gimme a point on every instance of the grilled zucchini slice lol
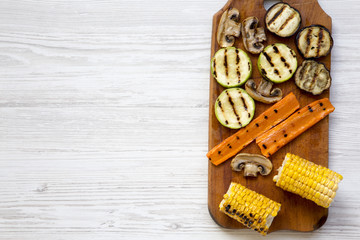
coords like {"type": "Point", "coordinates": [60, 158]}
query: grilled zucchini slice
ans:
{"type": "Point", "coordinates": [277, 63]}
{"type": "Point", "coordinates": [283, 20]}
{"type": "Point", "coordinates": [313, 77]}
{"type": "Point", "coordinates": [231, 67]}
{"type": "Point", "coordinates": [314, 41]}
{"type": "Point", "coordinates": [234, 108]}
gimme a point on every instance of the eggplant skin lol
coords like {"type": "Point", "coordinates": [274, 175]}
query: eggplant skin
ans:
{"type": "Point", "coordinates": [292, 8]}
{"type": "Point", "coordinates": [297, 41]}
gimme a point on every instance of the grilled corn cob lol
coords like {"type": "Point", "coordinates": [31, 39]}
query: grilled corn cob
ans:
{"type": "Point", "coordinates": [249, 208]}
{"type": "Point", "coordinates": [307, 179]}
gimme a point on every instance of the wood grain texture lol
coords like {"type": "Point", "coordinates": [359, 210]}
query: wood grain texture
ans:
{"type": "Point", "coordinates": [296, 213]}
{"type": "Point", "coordinates": [104, 121]}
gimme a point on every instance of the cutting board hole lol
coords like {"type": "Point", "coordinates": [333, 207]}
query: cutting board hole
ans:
{"type": "Point", "coordinates": [269, 3]}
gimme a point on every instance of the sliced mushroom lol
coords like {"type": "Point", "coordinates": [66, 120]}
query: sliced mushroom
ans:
{"type": "Point", "coordinates": [229, 27]}
{"type": "Point", "coordinates": [263, 92]}
{"type": "Point", "coordinates": [252, 164]}
{"type": "Point", "coordinates": [253, 36]}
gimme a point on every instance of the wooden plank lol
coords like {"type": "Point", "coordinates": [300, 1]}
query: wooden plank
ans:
{"type": "Point", "coordinates": [296, 213]}
{"type": "Point", "coordinates": [72, 163]}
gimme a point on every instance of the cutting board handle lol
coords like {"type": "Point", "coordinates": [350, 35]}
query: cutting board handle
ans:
{"type": "Point", "coordinates": [259, 4]}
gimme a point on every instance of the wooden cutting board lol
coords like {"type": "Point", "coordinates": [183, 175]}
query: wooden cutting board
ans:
{"type": "Point", "coordinates": [296, 213]}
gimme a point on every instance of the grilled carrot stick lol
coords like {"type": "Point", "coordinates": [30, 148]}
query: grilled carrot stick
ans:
{"type": "Point", "coordinates": [296, 124]}
{"type": "Point", "coordinates": [235, 143]}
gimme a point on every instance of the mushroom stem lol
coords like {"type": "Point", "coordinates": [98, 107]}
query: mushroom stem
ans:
{"type": "Point", "coordinates": [250, 170]}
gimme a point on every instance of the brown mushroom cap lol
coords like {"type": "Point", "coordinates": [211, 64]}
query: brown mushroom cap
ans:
{"type": "Point", "coordinates": [252, 164]}
{"type": "Point", "coordinates": [263, 92]}
{"type": "Point", "coordinates": [229, 28]}
{"type": "Point", "coordinates": [253, 36]}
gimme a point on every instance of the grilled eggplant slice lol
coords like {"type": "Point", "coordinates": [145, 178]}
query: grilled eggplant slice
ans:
{"type": "Point", "coordinates": [277, 63]}
{"type": "Point", "coordinates": [283, 20]}
{"type": "Point", "coordinates": [234, 108]}
{"type": "Point", "coordinates": [231, 67]}
{"type": "Point", "coordinates": [313, 77]}
{"type": "Point", "coordinates": [314, 41]}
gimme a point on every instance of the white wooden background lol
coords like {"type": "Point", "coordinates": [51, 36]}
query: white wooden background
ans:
{"type": "Point", "coordinates": [104, 120]}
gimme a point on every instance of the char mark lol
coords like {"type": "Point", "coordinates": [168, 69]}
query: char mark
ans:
{"type": "Point", "coordinates": [268, 58]}
{"type": "Point", "coordinates": [320, 37]}
{"type": "Point", "coordinates": [276, 50]}
{"type": "Point", "coordinates": [238, 74]}
{"type": "Point", "coordinates": [313, 80]}
{"type": "Point", "coordinates": [226, 63]}
{"type": "Point", "coordinates": [287, 21]}
{"type": "Point", "coordinates": [263, 72]}
{"type": "Point", "coordinates": [237, 57]}
{"type": "Point", "coordinates": [233, 107]}
{"type": "Point", "coordinates": [214, 67]}
{"type": "Point", "coordinates": [220, 106]}
{"type": "Point", "coordinates": [308, 40]}
{"type": "Point", "coordinates": [277, 14]}
{"type": "Point", "coordinates": [284, 61]}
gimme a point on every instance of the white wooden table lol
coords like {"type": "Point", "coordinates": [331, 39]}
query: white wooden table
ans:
{"type": "Point", "coordinates": [104, 120]}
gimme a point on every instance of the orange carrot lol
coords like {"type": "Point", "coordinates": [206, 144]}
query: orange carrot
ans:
{"type": "Point", "coordinates": [296, 124]}
{"type": "Point", "coordinates": [235, 143]}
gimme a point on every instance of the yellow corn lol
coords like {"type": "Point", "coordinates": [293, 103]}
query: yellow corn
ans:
{"type": "Point", "coordinates": [309, 180]}
{"type": "Point", "coordinates": [252, 209]}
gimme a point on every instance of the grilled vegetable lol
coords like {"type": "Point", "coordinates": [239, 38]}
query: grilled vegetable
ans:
{"type": "Point", "coordinates": [312, 77]}
{"type": "Point", "coordinates": [234, 108]}
{"type": "Point", "coordinates": [296, 124]}
{"type": "Point", "coordinates": [229, 28]}
{"type": "Point", "coordinates": [269, 118]}
{"type": "Point", "coordinates": [252, 164]}
{"type": "Point", "coordinates": [314, 41]}
{"type": "Point", "coordinates": [307, 179]}
{"type": "Point", "coordinates": [283, 20]}
{"type": "Point", "coordinates": [252, 35]}
{"type": "Point", "coordinates": [250, 208]}
{"type": "Point", "coordinates": [263, 93]}
{"type": "Point", "coordinates": [231, 67]}
{"type": "Point", "coordinates": [277, 63]}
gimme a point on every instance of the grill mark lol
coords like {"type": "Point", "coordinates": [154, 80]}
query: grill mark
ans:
{"type": "Point", "coordinates": [276, 50]}
{"type": "Point", "coordinates": [237, 64]}
{"type": "Point", "coordinates": [284, 61]}
{"type": "Point", "coordinates": [245, 106]}
{"type": "Point", "coordinates": [321, 35]}
{"type": "Point", "coordinates": [237, 57]}
{"type": "Point", "coordinates": [313, 80]}
{"type": "Point", "coordinates": [214, 68]}
{"type": "Point", "coordinates": [225, 63]}
{"type": "Point", "coordinates": [263, 72]}
{"type": "Point", "coordinates": [268, 58]}
{"type": "Point", "coordinates": [307, 70]}
{"type": "Point", "coordinates": [244, 103]}
{"type": "Point", "coordinates": [277, 14]}
{"type": "Point", "coordinates": [233, 108]}
{"type": "Point", "coordinates": [303, 70]}
{"type": "Point", "coordinates": [286, 21]}
{"type": "Point", "coordinates": [308, 41]}
{"type": "Point", "coordinates": [238, 74]}
{"type": "Point", "coordinates": [220, 106]}
{"type": "Point", "coordinates": [276, 72]}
